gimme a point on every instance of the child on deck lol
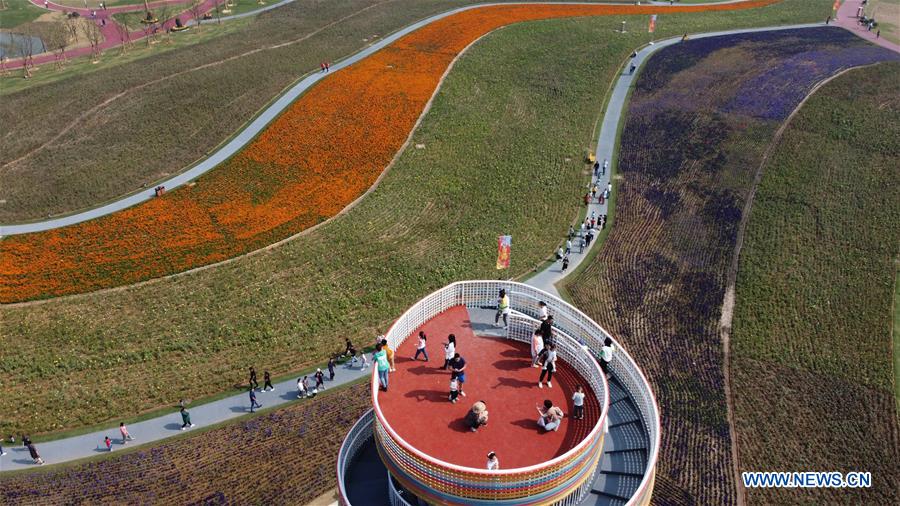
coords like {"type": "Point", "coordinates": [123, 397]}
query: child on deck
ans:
{"type": "Point", "coordinates": [578, 403]}
{"type": "Point", "coordinates": [454, 388]}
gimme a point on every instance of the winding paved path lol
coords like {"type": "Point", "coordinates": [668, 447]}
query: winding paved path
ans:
{"type": "Point", "coordinates": [165, 426]}
{"type": "Point", "coordinates": [258, 124]}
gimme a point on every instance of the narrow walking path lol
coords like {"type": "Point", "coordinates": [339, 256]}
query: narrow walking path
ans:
{"type": "Point", "coordinates": [846, 18]}
{"type": "Point", "coordinates": [165, 426]}
{"type": "Point", "coordinates": [159, 428]}
{"type": "Point", "coordinates": [260, 122]}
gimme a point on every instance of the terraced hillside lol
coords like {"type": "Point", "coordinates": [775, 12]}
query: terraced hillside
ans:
{"type": "Point", "coordinates": [700, 118]}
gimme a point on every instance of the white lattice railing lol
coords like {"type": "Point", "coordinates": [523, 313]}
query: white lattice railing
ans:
{"type": "Point", "coordinates": [569, 322]}
{"type": "Point", "coordinates": [359, 434]}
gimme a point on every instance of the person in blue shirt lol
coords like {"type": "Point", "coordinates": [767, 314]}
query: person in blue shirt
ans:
{"type": "Point", "coordinates": [458, 366]}
{"type": "Point", "coordinates": [384, 366]}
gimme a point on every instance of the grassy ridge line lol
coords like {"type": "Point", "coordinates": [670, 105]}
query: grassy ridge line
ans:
{"type": "Point", "coordinates": [812, 383]}
{"type": "Point", "coordinates": [497, 129]}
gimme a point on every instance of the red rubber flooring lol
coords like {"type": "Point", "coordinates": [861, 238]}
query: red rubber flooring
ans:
{"type": "Point", "coordinates": [498, 372]}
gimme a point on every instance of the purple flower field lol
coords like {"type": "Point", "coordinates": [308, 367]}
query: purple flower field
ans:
{"type": "Point", "coordinates": [701, 116]}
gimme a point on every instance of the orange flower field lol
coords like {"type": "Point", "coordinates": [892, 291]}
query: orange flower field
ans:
{"type": "Point", "coordinates": [321, 154]}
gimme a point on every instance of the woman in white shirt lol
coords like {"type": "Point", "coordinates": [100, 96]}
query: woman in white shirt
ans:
{"type": "Point", "coordinates": [420, 348]}
{"type": "Point", "coordinates": [449, 350]}
{"type": "Point", "coordinates": [537, 345]}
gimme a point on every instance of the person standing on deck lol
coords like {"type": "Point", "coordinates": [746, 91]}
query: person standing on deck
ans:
{"type": "Point", "coordinates": [537, 346]}
{"type": "Point", "coordinates": [493, 463]}
{"type": "Point", "coordinates": [502, 309]}
{"type": "Point", "coordinates": [458, 366]}
{"type": "Point", "coordinates": [449, 351]}
{"type": "Point", "coordinates": [549, 367]}
{"type": "Point", "coordinates": [384, 367]}
{"type": "Point", "coordinates": [420, 347]}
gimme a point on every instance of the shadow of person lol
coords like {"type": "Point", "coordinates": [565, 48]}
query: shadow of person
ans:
{"type": "Point", "coordinates": [424, 369]}
{"type": "Point", "coordinates": [173, 426]}
{"type": "Point", "coordinates": [526, 423]}
{"type": "Point", "coordinates": [511, 364]}
{"type": "Point", "coordinates": [428, 395]}
{"type": "Point", "coordinates": [513, 383]}
{"type": "Point", "coordinates": [459, 425]}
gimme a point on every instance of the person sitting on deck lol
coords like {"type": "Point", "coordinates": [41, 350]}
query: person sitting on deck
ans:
{"type": "Point", "coordinates": [477, 416]}
{"type": "Point", "coordinates": [551, 416]}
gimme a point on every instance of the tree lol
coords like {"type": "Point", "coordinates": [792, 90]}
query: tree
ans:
{"type": "Point", "coordinates": [56, 39]}
{"type": "Point", "coordinates": [196, 10]}
{"type": "Point", "coordinates": [25, 44]}
{"type": "Point", "coordinates": [92, 33]}
{"type": "Point", "coordinates": [164, 12]}
{"type": "Point", "coordinates": [124, 31]}
{"type": "Point", "coordinates": [71, 24]}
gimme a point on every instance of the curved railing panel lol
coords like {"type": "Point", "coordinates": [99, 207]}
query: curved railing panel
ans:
{"type": "Point", "coordinates": [353, 442]}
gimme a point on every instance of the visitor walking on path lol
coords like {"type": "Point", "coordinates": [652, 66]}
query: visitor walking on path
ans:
{"type": "Point", "coordinates": [551, 416]}
{"type": "Point", "coordinates": [549, 366]}
{"type": "Point", "coordinates": [35, 456]}
{"type": "Point", "coordinates": [108, 442]}
{"type": "Point", "coordinates": [320, 379]}
{"type": "Point", "coordinates": [253, 403]}
{"type": "Point", "coordinates": [605, 166]}
{"type": "Point", "coordinates": [449, 351]}
{"type": "Point", "coordinates": [578, 403]}
{"type": "Point", "coordinates": [502, 309]}
{"type": "Point", "coordinates": [565, 264]}
{"type": "Point", "coordinates": [458, 366]}
{"type": "Point", "coordinates": [126, 437]}
{"type": "Point", "coordinates": [420, 348]}
{"type": "Point", "coordinates": [185, 419]}
{"type": "Point", "coordinates": [493, 463]}
{"type": "Point", "coordinates": [349, 349]}
{"type": "Point", "coordinates": [267, 381]}
{"type": "Point", "coordinates": [2, 453]}
{"type": "Point", "coordinates": [301, 388]}
{"type": "Point", "coordinates": [384, 367]}
{"type": "Point", "coordinates": [253, 383]}
{"type": "Point", "coordinates": [477, 416]}
{"type": "Point", "coordinates": [331, 369]}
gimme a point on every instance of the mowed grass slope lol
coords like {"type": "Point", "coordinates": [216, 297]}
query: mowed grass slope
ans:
{"type": "Point", "coordinates": [812, 368]}
{"type": "Point", "coordinates": [97, 136]}
{"type": "Point", "coordinates": [502, 152]}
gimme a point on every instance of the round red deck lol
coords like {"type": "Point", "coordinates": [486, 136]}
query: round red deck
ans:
{"type": "Point", "coordinates": [498, 372]}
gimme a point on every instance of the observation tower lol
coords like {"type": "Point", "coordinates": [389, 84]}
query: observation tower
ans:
{"type": "Point", "coordinates": [415, 448]}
